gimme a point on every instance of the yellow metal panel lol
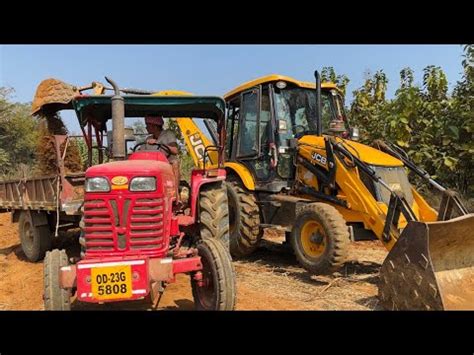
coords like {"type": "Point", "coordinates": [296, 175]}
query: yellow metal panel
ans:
{"type": "Point", "coordinates": [276, 77]}
{"type": "Point", "coordinates": [243, 173]}
{"type": "Point", "coordinates": [365, 153]}
{"type": "Point", "coordinates": [426, 212]}
{"type": "Point", "coordinates": [196, 142]}
{"type": "Point", "coordinates": [172, 93]}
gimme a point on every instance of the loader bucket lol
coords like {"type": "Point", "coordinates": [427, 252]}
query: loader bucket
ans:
{"type": "Point", "coordinates": [431, 267]}
{"type": "Point", "coordinates": [53, 93]}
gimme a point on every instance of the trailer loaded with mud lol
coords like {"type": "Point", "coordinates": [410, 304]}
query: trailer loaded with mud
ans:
{"type": "Point", "coordinates": [44, 205]}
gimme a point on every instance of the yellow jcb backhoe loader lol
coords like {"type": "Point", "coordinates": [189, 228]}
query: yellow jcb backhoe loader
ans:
{"type": "Point", "coordinates": [293, 163]}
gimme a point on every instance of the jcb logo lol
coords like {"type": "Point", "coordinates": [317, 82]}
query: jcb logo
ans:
{"type": "Point", "coordinates": [319, 158]}
{"type": "Point", "coordinates": [198, 146]}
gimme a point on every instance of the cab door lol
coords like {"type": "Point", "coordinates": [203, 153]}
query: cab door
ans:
{"type": "Point", "coordinates": [255, 134]}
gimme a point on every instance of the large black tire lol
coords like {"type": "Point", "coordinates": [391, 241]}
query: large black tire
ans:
{"type": "Point", "coordinates": [320, 238]}
{"type": "Point", "coordinates": [218, 292]}
{"type": "Point", "coordinates": [244, 219]}
{"type": "Point", "coordinates": [55, 298]}
{"type": "Point", "coordinates": [35, 241]}
{"type": "Point", "coordinates": [214, 213]}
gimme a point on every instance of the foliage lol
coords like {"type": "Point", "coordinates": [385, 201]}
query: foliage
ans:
{"type": "Point", "coordinates": [329, 74]}
{"type": "Point", "coordinates": [435, 128]}
{"type": "Point", "coordinates": [18, 135]}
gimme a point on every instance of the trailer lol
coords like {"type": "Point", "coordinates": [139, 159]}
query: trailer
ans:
{"type": "Point", "coordinates": [44, 205]}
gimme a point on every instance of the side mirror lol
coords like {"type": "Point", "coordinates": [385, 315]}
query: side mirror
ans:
{"type": "Point", "coordinates": [355, 133]}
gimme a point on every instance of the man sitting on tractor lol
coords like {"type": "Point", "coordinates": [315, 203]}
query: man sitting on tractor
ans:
{"type": "Point", "coordinates": [167, 143]}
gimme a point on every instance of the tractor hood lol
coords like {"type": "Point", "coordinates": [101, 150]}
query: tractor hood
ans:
{"type": "Point", "coordinates": [130, 168]}
{"type": "Point", "coordinates": [365, 153]}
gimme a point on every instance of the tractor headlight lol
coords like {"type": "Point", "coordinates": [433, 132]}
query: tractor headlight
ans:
{"type": "Point", "coordinates": [97, 184]}
{"type": "Point", "coordinates": [143, 184]}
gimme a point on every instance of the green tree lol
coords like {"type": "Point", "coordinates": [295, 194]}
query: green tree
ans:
{"type": "Point", "coordinates": [368, 109]}
{"type": "Point", "coordinates": [328, 74]}
{"type": "Point", "coordinates": [18, 135]}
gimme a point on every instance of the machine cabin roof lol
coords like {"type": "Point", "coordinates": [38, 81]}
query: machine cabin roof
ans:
{"type": "Point", "coordinates": [99, 107]}
{"type": "Point", "coordinates": [274, 78]}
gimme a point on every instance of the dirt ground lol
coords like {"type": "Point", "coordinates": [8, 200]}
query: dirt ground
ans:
{"type": "Point", "coordinates": [270, 279]}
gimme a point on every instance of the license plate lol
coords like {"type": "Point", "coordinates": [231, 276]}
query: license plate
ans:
{"type": "Point", "coordinates": [111, 282]}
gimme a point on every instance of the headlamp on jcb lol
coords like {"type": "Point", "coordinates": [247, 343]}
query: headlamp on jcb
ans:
{"type": "Point", "coordinates": [143, 184]}
{"type": "Point", "coordinates": [97, 184]}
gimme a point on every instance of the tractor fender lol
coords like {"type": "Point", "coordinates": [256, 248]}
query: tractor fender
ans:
{"type": "Point", "coordinates": [198, 180]}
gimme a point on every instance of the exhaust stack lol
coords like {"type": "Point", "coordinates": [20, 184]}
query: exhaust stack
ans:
{"type": "Point", "coordinates": [318, 104]}
{"type": "Point", "coordinates": [118, 116]}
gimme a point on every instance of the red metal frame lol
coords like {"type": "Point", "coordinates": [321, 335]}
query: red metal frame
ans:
{"type": "Point", "coordinates": [144, 272]}
{"type": "Point", "coordinates": [104, 218]}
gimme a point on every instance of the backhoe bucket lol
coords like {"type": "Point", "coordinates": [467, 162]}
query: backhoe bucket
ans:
{"type": "Point", "coordinates": [431, 267]}
{"type": "Point", "coordinates": [53, 93]}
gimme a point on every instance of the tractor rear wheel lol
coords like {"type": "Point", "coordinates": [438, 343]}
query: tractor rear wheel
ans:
{"type": "Point", "coordinates": [55, 297]}
{"type": "Point", "coordinates": [215, 290]}
{"type": "Point", "coordinates": [35, 240]}
{"type": "Point", "coordinates": [320, 238]}
{"type": "Point", "coordinates": [244, 220]}
{"type": "Point", "coordinates": [214, 213]}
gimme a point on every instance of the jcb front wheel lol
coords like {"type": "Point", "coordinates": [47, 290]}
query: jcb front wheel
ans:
{"type": "Point", "coordinates": [214, 287]}
{"type": "Point", "coordinates": [55, 297]}
{"type": "Point", "coordinates": [320, 238]}
{"type": "Point", "coordinates": [244, 220]}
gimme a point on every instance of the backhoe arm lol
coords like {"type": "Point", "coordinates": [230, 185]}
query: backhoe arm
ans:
{"type": "Point", "coordinates": [196, 143]}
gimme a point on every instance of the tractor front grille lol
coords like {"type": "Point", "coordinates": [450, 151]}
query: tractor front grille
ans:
{"type": "Point", "coordinates": [98, 227]}
{"type": "Point", "coordinates": [395, 177]}
{"type": "Point", "coordinates": [132, 225]}
{"type": "Point", "coordinates": [146, 224]}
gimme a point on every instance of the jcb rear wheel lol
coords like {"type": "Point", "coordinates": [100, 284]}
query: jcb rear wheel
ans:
{"type": "Point", "coordinates": [320, 238]}
{"type": "Point", "coordinates": [214, 213]}
{"type": "Point", "coordinates": [244, 220]}
{"type": "Point", "coordinates": [216, 290]}
{"type": "Point", "coordinates": [35, 240]}
{"type": "Point", "coordinates": [55, 297]}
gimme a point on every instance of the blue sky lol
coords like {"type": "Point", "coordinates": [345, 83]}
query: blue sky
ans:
{"type": "Point", "coordinates": [212, 69]}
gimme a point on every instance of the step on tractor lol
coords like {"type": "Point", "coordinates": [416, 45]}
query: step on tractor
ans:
{"type": "Point", "coordinates": [293, 163]}
{"type": "Point", "coordinates": [135, 236]}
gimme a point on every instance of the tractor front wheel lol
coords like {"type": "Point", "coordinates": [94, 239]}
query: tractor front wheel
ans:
{"type": "Point", "coordinates": [320, 238]}
{"type": "Point", "coordinates": [55, 297]}
{"type": "Point", "coordinates": [214, 287]}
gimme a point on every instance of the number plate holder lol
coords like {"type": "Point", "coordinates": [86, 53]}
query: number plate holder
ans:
{"type": "Point", "coordinates": [112, 282]}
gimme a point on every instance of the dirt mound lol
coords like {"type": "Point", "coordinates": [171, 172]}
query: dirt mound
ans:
{"type": "Point", "coordinates": [52, 124]}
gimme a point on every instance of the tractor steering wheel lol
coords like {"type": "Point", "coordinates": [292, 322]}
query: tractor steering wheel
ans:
{"type": "Point", "coordinates": [165, 148]}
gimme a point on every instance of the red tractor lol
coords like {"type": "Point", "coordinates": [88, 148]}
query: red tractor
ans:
{"type": "Point", "coordinates": [135, 238]}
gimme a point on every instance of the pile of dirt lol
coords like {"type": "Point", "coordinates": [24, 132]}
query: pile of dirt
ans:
{"type": "Point", "coordinates": [52, 124]}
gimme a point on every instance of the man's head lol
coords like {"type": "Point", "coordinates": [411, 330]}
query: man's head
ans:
{"type": "Point", "coordinates": [154, 124]}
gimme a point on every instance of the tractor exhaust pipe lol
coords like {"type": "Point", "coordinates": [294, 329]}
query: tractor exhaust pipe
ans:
{"type": "Point", "coordinates": [118, 116]}
{"type": "Point", "coordinates": [318, 103]}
